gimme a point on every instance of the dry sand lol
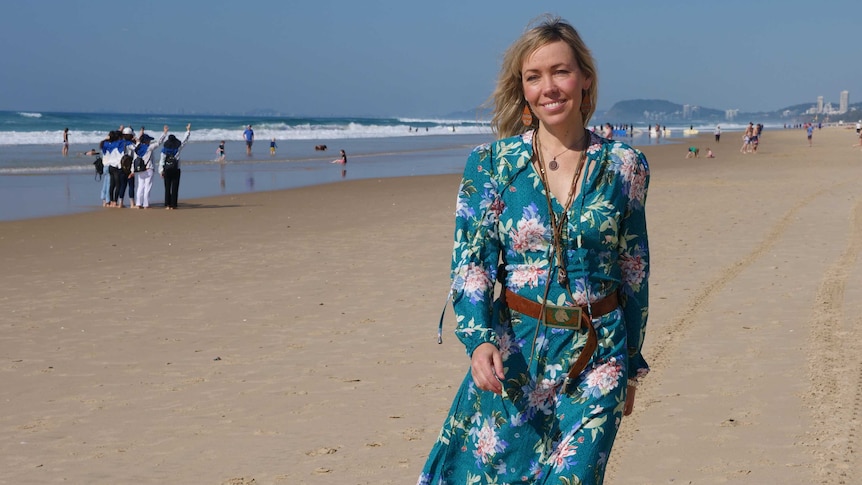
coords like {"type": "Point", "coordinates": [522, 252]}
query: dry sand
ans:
{"type": "Point", "coordinates": [289, 337]}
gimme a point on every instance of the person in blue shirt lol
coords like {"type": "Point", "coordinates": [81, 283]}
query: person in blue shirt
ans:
{"type": "Point", "coordinates": [248, 134]}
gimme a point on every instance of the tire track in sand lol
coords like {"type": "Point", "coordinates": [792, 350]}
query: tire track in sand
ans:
{"type": "Point", "coordinates": [662, 346]}
{"type": "Point", "coordinates": [667, 341]}
{"type": "Point", "coordinates": [835, 367]}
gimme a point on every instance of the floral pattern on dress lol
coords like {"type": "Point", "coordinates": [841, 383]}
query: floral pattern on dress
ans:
{"type": "Point", "coordinates": [535, 433]}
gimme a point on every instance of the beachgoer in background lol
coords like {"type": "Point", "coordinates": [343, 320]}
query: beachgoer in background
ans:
{"type": "Point", "coordinates": [746, 138]}
{"type": "Point", "coordinates": [127, 178]}
{"type": "Point", "coordinates": [113, 160]}
{"type": "Point", "coordinates": [144, 178]}
{"type": "Point", "coordinates": [91, 151]}
{"type": "Point", "coordinates": [810, 131]}
{"type": "Point", "coordinates": [608, 131]}
{"type": "Point", "coordinates": [169, 166]}
{"type": "Point", "coordinates": [220, 152]}
{"type": "Point", "coordinates": [692, 152]}
{"type": "Point", "coordinates": [717, 133]}
{"type": "Point", "coordinates": [859, 127]}
{"type": "Point", "coordinates": [342, 160]}
{"type": "Point", "coordinates": [248, 134]}
{"type": "Point", "coordinates": [65, 142]}
{"type": "Point", "coordinates": [544, 397]}
{"type": "Point", "coordinates": [272, 147]}
{"type": "Point", "coordinates": [754, 142]}
{"type": "Point", "coordinates": [709, 153]}
{"type": "Point", "coordinates": [109, 153]}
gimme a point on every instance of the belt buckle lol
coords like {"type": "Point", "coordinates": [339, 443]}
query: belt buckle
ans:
{"type": "Point", "coordinates": [566, 317]}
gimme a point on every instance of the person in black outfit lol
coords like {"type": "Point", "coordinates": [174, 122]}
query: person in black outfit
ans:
{"type": "Point", "coordinates": [170, 171]}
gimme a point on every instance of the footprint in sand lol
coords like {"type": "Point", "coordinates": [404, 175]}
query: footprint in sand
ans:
{"type": "Point", "coordinates": [321, 451]}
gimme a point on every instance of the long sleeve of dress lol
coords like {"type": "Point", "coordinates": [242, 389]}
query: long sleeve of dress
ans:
{"type": "Point", "coordinates": [634, 260]}
{"type": "Point", "coordinates": [476, 252]}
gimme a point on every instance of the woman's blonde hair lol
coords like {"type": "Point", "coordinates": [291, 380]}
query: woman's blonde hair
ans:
{"type": "Point", "coordinates": [508, 98]}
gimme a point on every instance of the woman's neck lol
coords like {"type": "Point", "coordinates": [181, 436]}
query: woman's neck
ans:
{"type": "Point", "coordinates": [560, 138]}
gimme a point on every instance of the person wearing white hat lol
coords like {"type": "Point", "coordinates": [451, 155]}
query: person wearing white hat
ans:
{"type": "Point", "coordinates": [143, 167]}
{"type": "Point", "coordinates": [127, 177]}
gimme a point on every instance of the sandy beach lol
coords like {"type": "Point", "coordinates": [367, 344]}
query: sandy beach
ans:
{"type": "Point", "coordinates": [289, 337]}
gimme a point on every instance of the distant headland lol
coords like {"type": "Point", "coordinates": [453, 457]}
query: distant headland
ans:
{"type": "Point", "coordinates": [666, 112]}
{"type": "Point", "coordinates": [662, 111]}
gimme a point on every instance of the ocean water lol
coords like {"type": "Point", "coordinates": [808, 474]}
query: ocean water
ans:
{"type": "Point", "coordinates": [30, 142]}
{"type": "Point", "coordinates": [36, 180]}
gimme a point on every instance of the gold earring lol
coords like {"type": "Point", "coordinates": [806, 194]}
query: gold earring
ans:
{"type": "Point", "coordinates": [527, 116]}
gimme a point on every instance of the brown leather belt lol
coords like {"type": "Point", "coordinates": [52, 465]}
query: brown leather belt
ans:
{"type": "Point", "coordinates": [567, 317]}
{"type": "Point", "coordinates": [553, 315]}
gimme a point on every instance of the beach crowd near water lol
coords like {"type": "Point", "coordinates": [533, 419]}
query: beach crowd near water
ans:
{"type": "Point", "coordinates": [215, 160]}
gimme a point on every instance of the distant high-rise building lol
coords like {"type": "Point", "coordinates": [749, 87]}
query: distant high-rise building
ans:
{"type": "Point", "coordinates": [730, 114]}
{"type": "Point", "coordinates": [844, 102]}
{"type": "Point", "coordinates": [819, 104]}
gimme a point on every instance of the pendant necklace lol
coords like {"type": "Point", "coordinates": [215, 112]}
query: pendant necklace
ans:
{"type": "Point", "coordinates": [553, 165]}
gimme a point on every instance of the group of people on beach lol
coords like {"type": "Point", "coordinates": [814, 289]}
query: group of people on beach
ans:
{"type": "Point", "coordinates": [127, 164]}
{"type": "Point", "coordinates": [694, 152]}
{"type": "Point", "coordinates": [248, 137]}
{"type": "Point", "coordinates": [751, 138]}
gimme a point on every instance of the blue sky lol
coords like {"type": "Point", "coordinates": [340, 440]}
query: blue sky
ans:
{"type": "Point", "coordinates": [410, 58]}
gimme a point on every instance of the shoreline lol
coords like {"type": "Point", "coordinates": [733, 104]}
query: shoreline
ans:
{"type": "Point", "coordinates": [63, 191]}
{"type": "Point", "coordinates": [68, 193]}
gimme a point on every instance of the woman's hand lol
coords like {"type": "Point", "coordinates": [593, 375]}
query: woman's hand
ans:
{"type": "Point", "coordinates": [630, 400]}
{"type": "Point", "coordinates": [189, 127]}
{"type": "Point", "coordinates": [165, 129]}
{"type": "Point", "coordinates": [486, 365]}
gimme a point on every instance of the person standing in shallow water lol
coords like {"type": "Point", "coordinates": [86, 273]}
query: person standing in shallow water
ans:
{"type": "Point", "coordinates": [65, 142]}
{"type": "Point", "coordinates": [248, 135]}
{"type": "Point", "coordinates": [555, 360]}
{"type": "Point", "coordinates": [220, 155]}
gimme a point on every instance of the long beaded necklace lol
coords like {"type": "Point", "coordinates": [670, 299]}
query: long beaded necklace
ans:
{"type": "Point", "coordinates": [559, 223]}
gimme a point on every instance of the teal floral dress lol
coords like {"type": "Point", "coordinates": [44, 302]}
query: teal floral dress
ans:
{"type": "Point", "coordinates": [534, 433]}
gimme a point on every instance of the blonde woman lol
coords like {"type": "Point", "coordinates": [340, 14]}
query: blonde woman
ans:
{"type": "Point", "coordinates": [556, 214]}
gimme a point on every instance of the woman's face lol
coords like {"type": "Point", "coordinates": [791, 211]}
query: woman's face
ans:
{"type": "Point", "coordinates": [553, 85]}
